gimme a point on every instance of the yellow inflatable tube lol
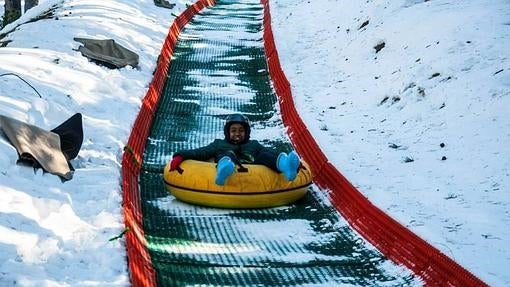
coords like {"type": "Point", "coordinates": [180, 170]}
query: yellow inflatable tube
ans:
{"type": "Point", "coordinates": [257, 187]}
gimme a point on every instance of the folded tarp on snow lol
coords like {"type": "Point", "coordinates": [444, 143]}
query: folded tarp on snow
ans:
{"type": "Point", "coordinates": [164, 4]}
{"type": "Point", "coordinates": [50, 150]}
{"type": "Point", "coordinates": [107, 53]}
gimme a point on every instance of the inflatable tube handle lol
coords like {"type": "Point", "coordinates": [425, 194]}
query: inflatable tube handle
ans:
{"type": "Point", "coordinates": [242, 168]}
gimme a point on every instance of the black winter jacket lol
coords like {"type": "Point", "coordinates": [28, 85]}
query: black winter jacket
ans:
{"type": "Point", "coordinates": [246, 152]}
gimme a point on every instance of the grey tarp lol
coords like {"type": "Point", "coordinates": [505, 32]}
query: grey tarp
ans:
{"type": "Point", "coordinates": [42, 145]}
{"type": "Point", "coordinates": [107, 52]}
{"type": "Point", "coordinates": [164, 4]}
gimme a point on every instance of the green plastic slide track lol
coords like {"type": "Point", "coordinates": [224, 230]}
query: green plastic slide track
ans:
{"type": "Point", "coordinates": [218, 67]}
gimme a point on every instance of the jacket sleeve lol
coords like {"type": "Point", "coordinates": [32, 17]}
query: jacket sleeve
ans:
{"type": "Point", "coordinates": [259, 148]}
{"type": "Point", "coordinates": [202, 153]}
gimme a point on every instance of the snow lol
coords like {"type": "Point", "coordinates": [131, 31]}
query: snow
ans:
{"type": "Point", "coordinates": [420, 127]}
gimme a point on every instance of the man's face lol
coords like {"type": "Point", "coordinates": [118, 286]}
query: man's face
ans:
{"type": "Point", "coordinates": [237, 133]}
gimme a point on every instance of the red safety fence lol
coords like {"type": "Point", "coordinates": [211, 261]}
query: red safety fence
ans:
{"type": "Point", "coordinates": [140, 266]}
{"type": "Point", "coordinates": [391, 238]}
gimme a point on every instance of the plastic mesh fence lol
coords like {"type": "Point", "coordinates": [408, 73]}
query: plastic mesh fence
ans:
{"type": "Point", "coordinates": [387, 235]}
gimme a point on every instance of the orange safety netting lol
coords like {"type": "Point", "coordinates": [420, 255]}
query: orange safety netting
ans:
{"type": "Point", "coordinates": [387, 235]}
{"type": "Point", "coordinates": [139, 261]}
{"type": "Point", "coordinates": [391, 238]}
